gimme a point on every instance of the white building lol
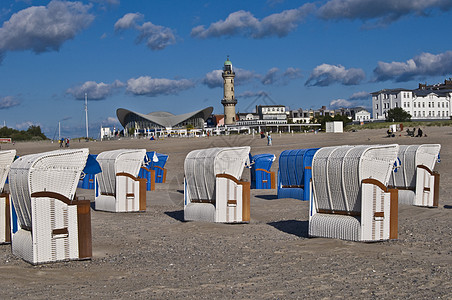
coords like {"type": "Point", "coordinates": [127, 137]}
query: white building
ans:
{"type": "Point", "coordinates": [271, 112]}
{"type": "Point", "coordinates": [426, 102]}
{"type": "Point", "coordinates": [362, 116]}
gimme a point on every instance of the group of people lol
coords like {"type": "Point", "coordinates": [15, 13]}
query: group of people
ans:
{"type": "Point", "coordinates": [413, 132]}
{"type": "Point", "coordinates": [63, 142]}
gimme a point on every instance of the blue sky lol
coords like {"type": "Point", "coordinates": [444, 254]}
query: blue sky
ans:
{"type": "Point", "coordinates": [167, 55]}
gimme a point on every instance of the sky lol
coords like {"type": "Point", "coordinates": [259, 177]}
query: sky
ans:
{"type": "Point", "coordinates": [149, 56]}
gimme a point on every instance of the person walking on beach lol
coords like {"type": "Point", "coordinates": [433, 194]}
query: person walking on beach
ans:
{"type": "Point", "coordinates": [269, 139]}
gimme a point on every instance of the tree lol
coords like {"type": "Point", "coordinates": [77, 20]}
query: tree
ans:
{"type": "Point", "coordinates": [323, 119]}
{"type": "Point", "coordinates": [398, 114]}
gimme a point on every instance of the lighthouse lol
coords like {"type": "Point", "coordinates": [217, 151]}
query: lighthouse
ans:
{"type": "Point", "coordinates": [228, 100]}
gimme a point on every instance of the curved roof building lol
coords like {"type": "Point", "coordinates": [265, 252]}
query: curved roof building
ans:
{"type": "Point", "coordinates": [162, 120]}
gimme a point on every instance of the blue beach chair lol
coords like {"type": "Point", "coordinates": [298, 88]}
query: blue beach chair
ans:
{"type": "Point", "coordinates": [294, 173]}
{"type": "Point", "coordinates": [261, 177]}
{"type": "Point", "coordinates": [154, 169]}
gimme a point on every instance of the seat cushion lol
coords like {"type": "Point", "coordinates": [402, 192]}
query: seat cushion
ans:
{"type": "Point", "coordinates": [335, 226]}
{"type": "Point", "coordinates": [204, 212]}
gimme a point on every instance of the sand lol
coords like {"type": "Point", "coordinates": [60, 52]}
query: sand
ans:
{"type": "Point", "coordinates": [157, 255]}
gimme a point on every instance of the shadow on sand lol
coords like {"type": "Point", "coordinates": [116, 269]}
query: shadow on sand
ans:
{"type": "Point", "coordinates": [267, 197]}
{"type": "Point", "coordinates": [297, 228]}
{"type": "Point", "coordinates": [448, 206]}
{"type": "Point", "coordinates": [176, 214]}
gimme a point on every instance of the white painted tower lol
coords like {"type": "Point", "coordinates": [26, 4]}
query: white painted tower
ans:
{"type": "Point", "coordinates": [229, 100]}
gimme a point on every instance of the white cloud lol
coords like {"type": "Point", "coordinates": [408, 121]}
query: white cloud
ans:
{"type": "Point", "coordinates": [244, 76]}
{"type": "Point", "coordinates": [273, 76]}
{"type": "Point", "coordinates": [425, 64]}
{"type": "Point", "coordinates": [156, 37]}
{"type": "Point", "coordinates": [26, 125]}
{"type": "Point", "coordinates": [339, 103]}
{"type": "Point", "coordinates": [128, 21]}
{"type": "Point", "coordinates": [213, 79]}
{"type": "Point", "coordinates": [325, 75]}
{"type": "Point", "coordinates": [94, 90]}
{"type": "Point", "coordinates": [360, 96]}
{"type": "Point", "coordinates": [270, 77]}
{"type": "Point", "coordinates": [383, 11]}
{"type": "Point", "coordinates": [152, 87]}
{"type": "Point", "coordinates": [245, 24]}
{"type": "Point", "coordinates": [111, 121]}
{"type": "Point", "coordinates": [8, 102]}
{"type": "Point", "coordinates": [44, 28]}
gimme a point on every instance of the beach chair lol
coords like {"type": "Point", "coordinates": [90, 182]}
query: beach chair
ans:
{"type": "Point", "coordinates": [350, 198]}
{"type": "Point", "coordinates": [88, 178]}
{"type": "Point", "coordinates": [415, 180]}
{"type": "Point", "coordinates": [213, 190]}
{"type": "Point", "coordinates": [52, 224]}
{"type": "Point", "coordinates": [6, 159]}
{"type": "Point", "coordinates": [261, 176]}
{"type": "Point", "coordinates": [153, 169]}
{"type": "Point", "coordinates": [120, 189]}
{"type": "Point", "coordinates": [294, 173]}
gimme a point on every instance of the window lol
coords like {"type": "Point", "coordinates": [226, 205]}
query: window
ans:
{"type": "Point", "coordinates": [443, 104]}
{"type": "Point", "coordinates": [377, 105]}
{"type": "Point", "coordinates": [396, 104]}
{"type": "Point", "coordinates": [423, 113]}
{"type": "Point", "coordinates": [414, 104]}
{"type": "Point", "coordinates": [423, 104]}
{"type": "Point", "coordinates": [414, 113]}
{"type": "Point", "coordinates": [408, 104]}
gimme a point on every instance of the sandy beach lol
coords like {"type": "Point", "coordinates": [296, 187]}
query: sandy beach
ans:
{"type": "Point", "coordinates": [159, 256]}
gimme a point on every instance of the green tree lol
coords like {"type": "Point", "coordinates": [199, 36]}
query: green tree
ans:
{"type": "Point", "coordinates": [323, 119]}
{"type": "Point", "coordinates": [398, 114]}
{"type": "Point", "coordinates": [32, 133]}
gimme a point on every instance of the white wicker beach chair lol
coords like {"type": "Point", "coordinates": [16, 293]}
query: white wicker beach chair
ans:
{"type": "Point", "coordinates": [213, 191]}
{"type": "Point", "coordinates": [415, 180]}
{"type": "Point", "coordinates": [52, 224]}
{"type": "Point", "coordinates": [349, 198]}
{"type": "Point", "coordinates": [120, 189]}
{"type": "Point", "coordinates": [6, 159]}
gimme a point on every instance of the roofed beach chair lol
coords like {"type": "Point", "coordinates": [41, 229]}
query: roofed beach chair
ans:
{"type": "Point", "coordinates": [415, 179]}
{"type": "Point", "coordinates": [153, 169]}
{"type": "Point", "coordinates": [120, 189]}
{"type": "Point", "coordinates": [213, 190]}
{"type": "Point", "coordinates": [294, 173]}
{"type": "Point", "coordinates": [88, 178]}
{"type": "Point", "coordinates": [52, 224]}
{"type": "Point", "coordinates": [350, 198]}
{"type": "Point", "coordinates": [6, 159]}
{"type": "Point", "coordinates": [261, 176]}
